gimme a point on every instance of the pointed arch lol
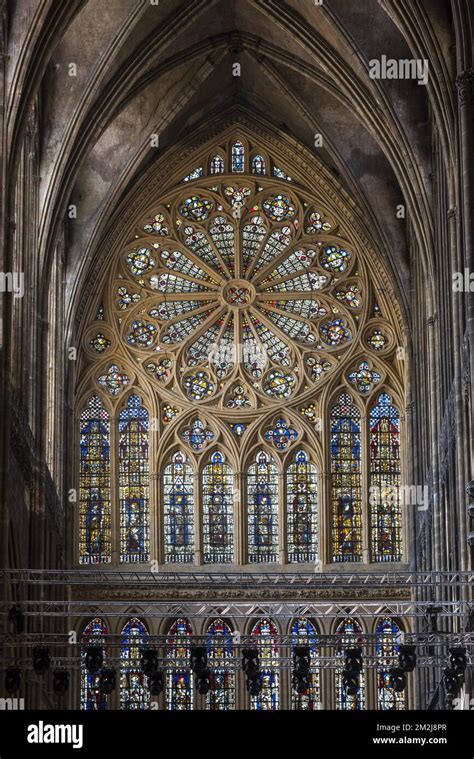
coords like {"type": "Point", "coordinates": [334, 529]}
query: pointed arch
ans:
{"type": "Point", "coordinates": [133, 473]}
{"type": "Point", "coordinates": [265, 633]}
{"type": "Point", "coordinates": [238, 157]}
{"type": "Point", "coordinates": [258, 164]}
{"type": "Point", "coordinates": [301, 508]}
{"type": "Point", "coordinates": [218, 510]}
{"type": "Point", "coordinates": [179, 682]}
{"type": "Point", "coordinates": [217, 164]}
{"type": "Point", "coordinates": [134, 691]}
{"type": "Point", "coordinates": [349, 633]}
{"type": "Point", "coordinates": [178, 510]}
{"type": "Point", "coordinates": [385, 480]}
{"type": "Point", "coordinates": [95, 633]}
{"type": "Point", "coordinates": [387, 642]}
{"type": "Point", "coordinates": [304, 633]}
{"type": "Point", "coordinates": [220, 652]}
{"type": "Point", "coordinates": [346, 479]}
{"type": "Point", "coordinates": [95, 532]}
{"type": "Point", "coordinates": [262, 509]}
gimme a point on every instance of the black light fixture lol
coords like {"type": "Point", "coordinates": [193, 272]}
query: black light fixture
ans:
{"type": "Point", "coordinates": [350, 682]}
{"type": "Point", "coordinates": [198, 659]}
{"type": "Point", "coordinates": [41, 660]}
{"type": "Point", "coordinates": [155, 682]}
{"type": "Point", "coordinates": [12, 680]}
{"type": "Point", "coordinates": [107, 681]}
{"type": "Point", "coordinates": [250, 661]}
{"type": "Point", "coordinates": [302, 663]}
{"type": "Point", "coordinates": [397, 679]}
{"type": "Point", "coordinates": [149, 662]}
{"type": "Point", "coordinates": [94, 659]}
{"type": "Point", "coordinates": [452, 682]}
{"type": "Point", "coordinates": [254, 683]}
{"type": "Point", "coordinates": [60, 680]}
{"type": "Point", "coordinates": [203, 682]}
{"type": "Point", "coordinates": [458, 659]}
{"type": "Point", "coordinates": [407, 658]}
{"type": "Point", "coordinates": [16, 619]}
{"type": "Point", "coordinates": [353, 660]}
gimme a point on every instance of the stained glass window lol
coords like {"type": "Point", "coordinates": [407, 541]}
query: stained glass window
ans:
{"type": "Point", "coordinates": [134, 693]}
{"type": "Point", "coordinates": [179, 682]}
{"type": "Point", "coordinates": [385, 516]}
{"type": "Point", "coordinates": [266, 633]}
{"type": "Point", "coordinates": [217, 164]}
{"type": "Point", "coordinates": [258, 164]}
{"type": "Point", "coordinates": [386, 648]}
{"type": "Point", "coordinates": [133, 482]}
{"type": "Point", "coordinates": [218, 510]}
{"type": "Point", "coordinates": [220, 652]}
{"type": "Point", "coordinates": [346, 480]}
{"type": "Point", "coordinates": [238, 157]}
{"type": "Point", "coordinates": [349, 632]}
{"type": "Point", "coordinates": [178, 492]}
{"type": "Point", "coordinates": [94, 485]}
{"type": "Point", "coordinates": [303, 633]}
{"type": "Point", "coordinates": [262, 486]}
{"type": "Point", "coordinates": [302, 509]}
{"type": "Point", "coordinates": [92, 699]}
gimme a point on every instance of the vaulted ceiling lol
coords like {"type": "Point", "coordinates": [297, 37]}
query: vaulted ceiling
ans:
{"type": "Point", "coordinates": [167, 68]}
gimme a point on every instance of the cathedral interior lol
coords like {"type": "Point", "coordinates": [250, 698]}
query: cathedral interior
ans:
{"type": "Point", "coordinates": [236, 354]}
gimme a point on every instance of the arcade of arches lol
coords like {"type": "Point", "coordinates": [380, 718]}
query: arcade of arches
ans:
{"type": "Point", "coordinates": [236, 378]}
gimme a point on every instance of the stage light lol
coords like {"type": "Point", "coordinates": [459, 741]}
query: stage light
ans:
{"type": "Point", "coordinates": [149, 662]}
{"type": "Point", "coordinates": [17, 619]}
{"type": "Point", "coordinates": [198, 659]}
{"type": "Point", "coordinates": [458, 659]}
{"type": "Point", "coordinates": [94, 658]}
{"type": "Point", "coordinates": [350, 681]}
{"type": "Point", "coordinates": [12, 680]}
{"type": "Point", "coordinates": [41, 660]}
{"type": "Point", "coordinates": [250, 661]}
{"type": "Point", "coordinates": [254, 683]}
{"type": "Point", "coordinates": [203, 682]}
{"type": "Point", "coordinates": [397, 679]}
{"type": "Point", "coordinates": [353, 660]}
{"type": "Point", "coordinates": [155, 682]}
{"type": "Point", "coordinates": [407, 658]}
{"type": "Point", "coordinates": [452, 681]}
{"type": "Point", "coordinates": [60, 681]}
{"type": "Point", "coordinates": [302, 662]}
{"type": "Point", "coordinates": [107, 681]}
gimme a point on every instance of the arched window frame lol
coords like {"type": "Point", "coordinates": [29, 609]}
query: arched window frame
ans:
{"type": "Point", "coordinates": [179, 686]}
{"type": "Point", "coordinates": [94, 633]}
{"type": "Point", "coordinates": [134, 691]}
{"type": "Point", "coordinates": [220, 651]}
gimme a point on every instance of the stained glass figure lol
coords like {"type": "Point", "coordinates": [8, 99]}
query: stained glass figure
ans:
{"type": "Point", "coordinates": [385, 480]}
{"type": "Point", "coordinates": [303, 633]}
{"type": "Point", "coordinates": [217, 165]}
{"type": "Point", "coordinates": [262, 488]}
{"type": "Point", "coordinates": [133, 482]}
{"type": "Point", "coordinates": [218, 510]}
{"type": "Point", "coordinates": [281, 435]}
{"type": "Point", "coordinates": [364, 378]}
{"type": "Point", "coordinates": [349, 633]}
{"type": "Point", "coordinates": [238, 157]}
{"type": "Point", "coordinates": [94, 485]}
{"type": "Point", "coordinates": [196, 435]}
{"type": "Point", "coordinates": [266, 638]}
{"type": "Point", "coordinates": [302, 509]}
{"type": "Point", "coordinates": [92, 698]}
{"type": "Point", "coordinates": [346, 480]}
{"type": "Point", "coordinates": [387, 641]}
{"type": "Point", "coordinates": [179, 681]}
{"type": "Point", "coordinates": [178, 494]}
{"type": "Point", "coordinates": [258, 164]}
{"type": "Point", "coordinates": [220, 652]}
{"type": "Point", "coordinates": [134, 691]}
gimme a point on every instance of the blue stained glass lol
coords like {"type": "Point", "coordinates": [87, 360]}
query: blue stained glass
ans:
{"type": "Point", "coordinates": [178, 510]}
{"type": "Point", "coordinates": [303, 633]}
{"type": "Point", "coordinates": [133, 482]}
{"type": "Point", "coordinates": [179, 682]}
{"type": "Point", "coordinates": [349, 632]}
{"type": "Point", "coordinates": [266, 634]}
{"type": "Point", "coordinates": [238, 157]}
{"type": "Point", "coordinates": [92, 698]}
{"type": "Point", "coordinates": [134, 692]}
{"type": "Point", "coordinates": [302, 509]}
{"type": "Point", "coordinates": [262, 484]}
{"type": "Point", "coordinates": [221, 697]}
{"type": "Point", "coordinates": [218, 510]}
{"type": "Point", "coordinates": [386, 648]}
{"type": "Point", "coordinates": [258, 165]}
{"type": "Point", "coordinates": [281, 435]}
